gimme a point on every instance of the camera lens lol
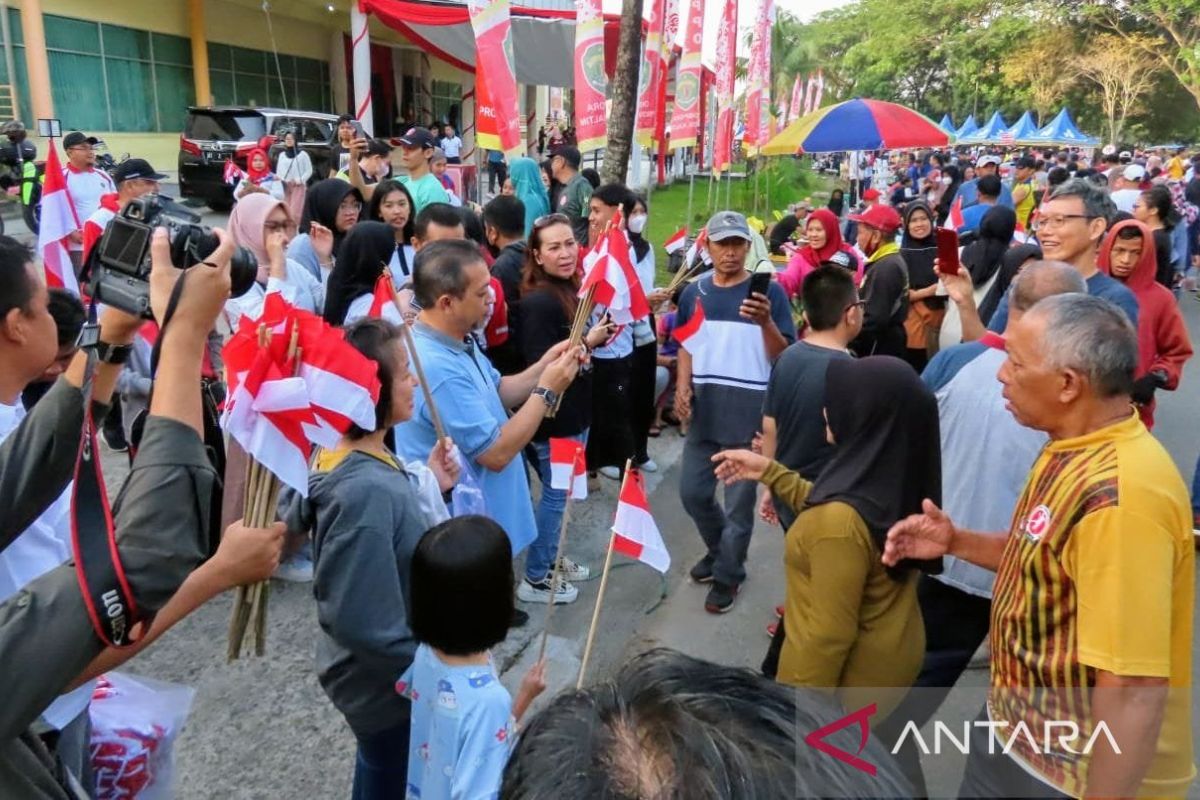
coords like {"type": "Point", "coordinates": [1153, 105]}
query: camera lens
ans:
{"type": "Point", "coordinates": [243, 271]}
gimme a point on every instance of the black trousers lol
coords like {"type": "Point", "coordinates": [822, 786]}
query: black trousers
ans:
{"type": "Point", "coordinates": [641, 396]}
{"type": "Point", "coordinates": [610, 441]}
{"type": "Point", "coordinates": [497, 171]}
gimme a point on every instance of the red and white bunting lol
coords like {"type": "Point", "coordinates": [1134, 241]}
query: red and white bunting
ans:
{"type": "Point", "coordinates": [568, 467]}
{"type": "Point", "coordinates": [59, 219]}
{"type": "Point", "coordinates": [635, 533]}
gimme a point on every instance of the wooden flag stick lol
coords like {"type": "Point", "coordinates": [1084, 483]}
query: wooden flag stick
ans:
{"type": "Point", "coordinates": [411, 345]}
{"type": "Point", "coordinates": [591, 637]}
{"type": "Point", "coordinates": [556, 575]}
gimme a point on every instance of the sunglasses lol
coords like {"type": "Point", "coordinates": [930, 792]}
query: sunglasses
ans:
{"type": "Point", "coordinates": [551, 219]}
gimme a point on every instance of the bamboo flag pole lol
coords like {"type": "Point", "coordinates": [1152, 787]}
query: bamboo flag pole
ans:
{"type": "Point", "coordinates": [591, 637]}
{"type": "Point", "coordinates": [579, 325]}
{"type": "Point", "coordinates": [411, 346]}
{"type": "Point", "coordinates": [556, 576]}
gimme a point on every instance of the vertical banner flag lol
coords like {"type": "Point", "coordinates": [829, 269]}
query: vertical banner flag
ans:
{"type": "Point", "coordinates": [726, 56]}
{"type": "Point", "coordinates": [685, 118]}
{"type": "Point", "coordinates": [670, 29]}
{"type": "Point", "coordinates": [820, 88]}
{"type": "Point", "coordinates": [796, 110]}
{"type": "Point", "coordinates": [649, 74]}
{"type": "Point", "coordinates": [58, 221]}
{"type": "Point", "coordinates": [757, 98]}
{"type": "Point", "coordinates": [810, 96]}
{"type": "Point", "coordinates": [498, 114]}
{"type": "Point", "coordinates": [590, 81]}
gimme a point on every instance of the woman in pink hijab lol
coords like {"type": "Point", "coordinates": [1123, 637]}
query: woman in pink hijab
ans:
{"type": "Point", "coordinates": [825, 246]}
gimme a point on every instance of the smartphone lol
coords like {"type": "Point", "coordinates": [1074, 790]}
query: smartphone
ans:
{"type": "Point", "coordinates": [359, 133]}
{"type": "Point", "coordinates": [760, 278]}
{"type": "Point", "coordinates": [947, 247]}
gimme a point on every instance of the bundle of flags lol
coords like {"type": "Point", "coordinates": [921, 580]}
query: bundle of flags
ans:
{"type": "Point", "coordinates": [294, 381]}
{"type": "Point", "coordinates": [609, 273]}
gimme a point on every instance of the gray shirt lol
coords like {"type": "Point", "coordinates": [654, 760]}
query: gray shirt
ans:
{"type": "Point", "coordinates": [46, 636]}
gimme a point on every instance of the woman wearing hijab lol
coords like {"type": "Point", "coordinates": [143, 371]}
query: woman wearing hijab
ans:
{"type": "Point", "coordinates": [825, 246]}
{"type": "Point", "coordinates": [986, 259]}
{"type": "Point", "coordinates": [350, 294]}
{"type": "Point", "coordinates": [258, 178]}
{"type": "Point", "coordinates": [950, 182]}
{"type": "Point", "coordinates": [851, 622]}
{"type": "Point", "coordinates": [837, 203]}
{"type": "Point", "coordinates": [527, 183]}
{"type": "Point", "coordinates": [332, 206]}
{"type": "Point", "coordinates": [918, 245]}
{"type": "Point", "coordinates": [295, 169]}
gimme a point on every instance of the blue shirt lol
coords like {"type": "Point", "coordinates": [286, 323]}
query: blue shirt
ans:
{"type": "Point", "coordinates": [1099, 285]}
{"type": "Point", "coordinates": [462, 729]}
{"type": "Point", "coordinates": [465, 387]}
{"type": "Point", "coordinates": [969, 192]}
{"type": "Point", "coordinates": [973, 216]}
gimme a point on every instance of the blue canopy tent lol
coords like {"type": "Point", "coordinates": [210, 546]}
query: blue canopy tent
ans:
{"type": "Point", "coordinates": [947, 125]}
{"type": "Point", "coordinates": [969, 127]}
{"type": "Point", "coordinates": [1022, 130]}
{"type": "Point", "coordinates": [988, 133]}
{"type": "Point", "coordinates": [1062, 131]}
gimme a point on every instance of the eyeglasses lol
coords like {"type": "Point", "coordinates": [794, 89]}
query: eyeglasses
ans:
{"type": "Point", "coordinates": [354, 207]}
{"type": "Point", "coordinates": [551, 219]}
{"type": "Point", "coordinates": [275, 227]}
{"type": "Point", "coordinates": [1059, 220]}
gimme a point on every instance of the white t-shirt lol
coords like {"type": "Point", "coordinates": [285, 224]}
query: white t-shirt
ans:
{"type": "Point", "coordinates": [1125, 199]}
{"type": "Point", "coordinates": [452, 146]}
{"type": "Point", "coordinates": [86, 187]}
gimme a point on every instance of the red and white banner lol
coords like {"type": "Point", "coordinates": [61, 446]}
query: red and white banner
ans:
{"type": "Point", "coordinates": [820, 94]}
{"type": "Point", "coordinates": [693, 336]}
{"type": "Point", "coordinates": [497, 110]}
{"type": "Point", "coordinates": [796, 109]}
{"type": "Point", "coordinates": [758, 98]}
{"type": "Point", "coordinates": [591, 82]}
{"type": "Point", "coordinates": [726, 59]}
{"type": "Point", "coordinates": [568, 467]}
{"type": "Point", "coordinates": [810, 95]}
{"type": "Point", "coordinates": [676, 242]}
{"type": "Point", "coordinates": [685, 117]}
{"type": "Point", "coordinates": [635, 533]}
{"type": "Point", "coordinates": [609, 268]}
{"type": "Point", "coordinates": [648, 76]}
{"type": "Point", "coordinates": [59, 219]}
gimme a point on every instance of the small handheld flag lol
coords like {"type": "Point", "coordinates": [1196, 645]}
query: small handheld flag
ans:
{"type": "Point", "coordinates": [635, 533]}
{"type": "Point", "coordinates": [568, 467]}
{"type": "Point", "coordinates": [677, 241]}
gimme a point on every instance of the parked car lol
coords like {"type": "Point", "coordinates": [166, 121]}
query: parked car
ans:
{"type": "Point", "coordinates": [213, 135]}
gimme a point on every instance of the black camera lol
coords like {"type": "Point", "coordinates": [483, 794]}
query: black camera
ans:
{"type": "Point", "coordinates": [119, 268]}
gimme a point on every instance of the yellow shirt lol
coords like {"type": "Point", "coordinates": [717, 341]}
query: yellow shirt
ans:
{"type": "Point", "coordinates": [851, 627]}
{"type": "Point", "coordinates": [1176, 169]}
{"type": "Point", "coordinates": [1097, 574]}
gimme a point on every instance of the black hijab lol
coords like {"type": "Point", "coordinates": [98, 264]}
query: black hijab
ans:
{"type": "Point", "coordinates": [837, 202]}
{"type": "Point", "coordinates": [321, 206]}
{"type": "Point", "coordinates": [1010, 264]}
{"type": "Point", "coordinates": [887, 451]}
{"type": "Point", "coordinates": [367, 250]}
{"type": "Point", "coordinates": [983, 257]}
{"type": "Point", "coordinates": [919, 254]}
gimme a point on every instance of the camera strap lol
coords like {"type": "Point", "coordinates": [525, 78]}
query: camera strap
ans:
{"type": "Point", "coordinates": [102, 582]}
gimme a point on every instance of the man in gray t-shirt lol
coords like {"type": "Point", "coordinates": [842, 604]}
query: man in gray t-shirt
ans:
{"type": "Point", "coordinates": [729, 339]}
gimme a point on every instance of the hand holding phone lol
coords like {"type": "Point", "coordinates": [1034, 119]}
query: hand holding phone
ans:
{"type": "Point", "coordinates": [947, 247]}
{"type": "Point", "coordinates": [760, 279]}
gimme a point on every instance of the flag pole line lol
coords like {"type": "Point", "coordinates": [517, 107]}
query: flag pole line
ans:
{"type": "Point", "coordinates": [557, 574]}
{"type": "Point", "coordinates": [612, 539]}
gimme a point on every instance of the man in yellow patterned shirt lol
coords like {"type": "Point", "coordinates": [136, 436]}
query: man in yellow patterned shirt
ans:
{"type": "Point", "coordinates": [1093, 604]}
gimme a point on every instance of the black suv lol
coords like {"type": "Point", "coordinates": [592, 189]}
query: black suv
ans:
{"type": "Point", "coordinates": [213, 135]}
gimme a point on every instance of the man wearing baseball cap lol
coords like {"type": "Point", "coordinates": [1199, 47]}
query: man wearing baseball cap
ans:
{"type": "Point", "coordinates": [85, 183]}
{"type": "Point", "coordinates": [987, 164]}
{"type": "Point", "coordinates": [729, 340]}
{"type": "Point", "coordinates": [885, 291]}
{"type": "Point", "coordinates": [134, 177]}
{"type": "Point", "coordinates": [1129, 188]}
{"type": "Point", "coordinates": [416, 151]}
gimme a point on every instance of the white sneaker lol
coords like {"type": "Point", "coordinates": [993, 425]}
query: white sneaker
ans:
{"type": "Point", "coordinates": [611, 472]}
{"type": "Point", "coordinates": [648, 466]}
{"type": "Point", "coordinates": [540, 592]}
{"type": "Point", "coordinates": [297, 569]}
{"type": "Point", "coordinates": [569, 570]}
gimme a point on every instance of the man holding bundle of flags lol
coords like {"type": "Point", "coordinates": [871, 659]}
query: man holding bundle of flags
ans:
{"type": "Point", "coordinates": [729, 337]}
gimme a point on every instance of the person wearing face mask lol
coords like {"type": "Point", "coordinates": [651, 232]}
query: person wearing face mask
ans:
{"type": "Point", "coordinates": [258, 178]}
{"type": "Point", "coordinates": [295, 169]}
{"type": "Point", "coordinates": [644, 367]}
{"type": "Point", "coordinates": [331, 207]}
{"type": "Point", "coordinates": [392, 204]}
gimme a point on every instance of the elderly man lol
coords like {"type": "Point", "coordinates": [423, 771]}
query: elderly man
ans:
{"type": "Point", "coordinates": [1093, 601]}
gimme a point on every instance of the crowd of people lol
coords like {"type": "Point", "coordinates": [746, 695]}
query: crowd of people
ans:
{"type": "Point", "coordinates": [951, 449]}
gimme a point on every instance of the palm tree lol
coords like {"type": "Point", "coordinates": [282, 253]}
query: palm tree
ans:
{"type": "Point", "coordinates": [624, 94]}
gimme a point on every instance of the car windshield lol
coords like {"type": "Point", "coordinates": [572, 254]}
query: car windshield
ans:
{"type": "Point", "coordinates": [226, 126]}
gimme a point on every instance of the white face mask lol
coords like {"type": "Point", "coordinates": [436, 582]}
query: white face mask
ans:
{"type": "Point", "coordinates": [637, 223]}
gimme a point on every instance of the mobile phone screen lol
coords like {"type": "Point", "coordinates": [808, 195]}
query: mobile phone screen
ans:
{"type": "Point", "coordinates": [947, 245]}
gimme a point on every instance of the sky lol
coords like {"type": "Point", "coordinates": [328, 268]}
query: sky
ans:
{"type": "Point", "coordinates": [806, 9]}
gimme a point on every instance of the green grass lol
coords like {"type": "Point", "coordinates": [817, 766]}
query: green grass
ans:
{"type": "Point", "coordinates": [778, 183]}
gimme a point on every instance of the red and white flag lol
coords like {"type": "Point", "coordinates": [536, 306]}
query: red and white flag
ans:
{"type": "Point", "coordinates": [609, 268]}
{"type": "Point", "coordinates": [95, 225]}
{"type": "Point", "coordinates": [59, 219]}
{"type": "Point", "coordinates": [384, 296]}
{"type": "Point", "coordinates": [956, 214]}
{"type": "Point", "coordinates": [677, 241]}
{"type": "Point", "coordinates": [692, 335]}
{"type": "Point", "coordinates": [820, 89]}
{"type": "Point", "coordinates": [796, 109]}
{"type": "Point", "coordinates": [568, 467]}
{"type": "Point", "coordinates": [232, 173]}
{"type": "Point", "coordinates": [634, 532]}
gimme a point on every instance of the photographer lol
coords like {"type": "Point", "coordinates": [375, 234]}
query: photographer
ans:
{"type": "Point", "coordinates": [161, 517]}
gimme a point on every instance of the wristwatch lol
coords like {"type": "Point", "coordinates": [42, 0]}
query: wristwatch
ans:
{"type": "Point", "coordinates": [107, 353]}
{"type": "Point", "coordinates": [549, 396]}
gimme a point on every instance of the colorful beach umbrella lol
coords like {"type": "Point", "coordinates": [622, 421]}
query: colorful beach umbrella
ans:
{"type": "Point", "coordinates": [857, 125]}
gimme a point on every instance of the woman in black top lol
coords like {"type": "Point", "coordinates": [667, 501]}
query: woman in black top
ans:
{"type": "Point", "coordinates": [549, 297]}
{"type": "Point", "coordinates": [918, 245]}
{"type": "Point", "coordinates": [1155, 210]}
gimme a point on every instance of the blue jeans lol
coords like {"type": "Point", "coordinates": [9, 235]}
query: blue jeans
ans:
{"type": "Point", "coordinates": [548, 515]}
{"type": "Point", "coordinates": [381, 765]}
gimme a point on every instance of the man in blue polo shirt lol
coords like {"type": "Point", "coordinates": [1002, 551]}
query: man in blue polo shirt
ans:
{"type": "Point", "coordinates": [450, 284]}
{"type": "Point", "coordinates": [969, 191]}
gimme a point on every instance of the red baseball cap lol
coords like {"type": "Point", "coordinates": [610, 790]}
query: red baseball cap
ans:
{"type": "Point", "coordinates": [871, 195]}
{"type": "Point", "coordinates": [883, 218]}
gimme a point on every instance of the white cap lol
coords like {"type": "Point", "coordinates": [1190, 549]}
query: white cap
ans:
{"type": "Point", "coordinates": [988, 159]}
{"type": "Point", "coordinates": [1125, 154]}
{"type": "Point", "coordinates": [1134, 172]}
